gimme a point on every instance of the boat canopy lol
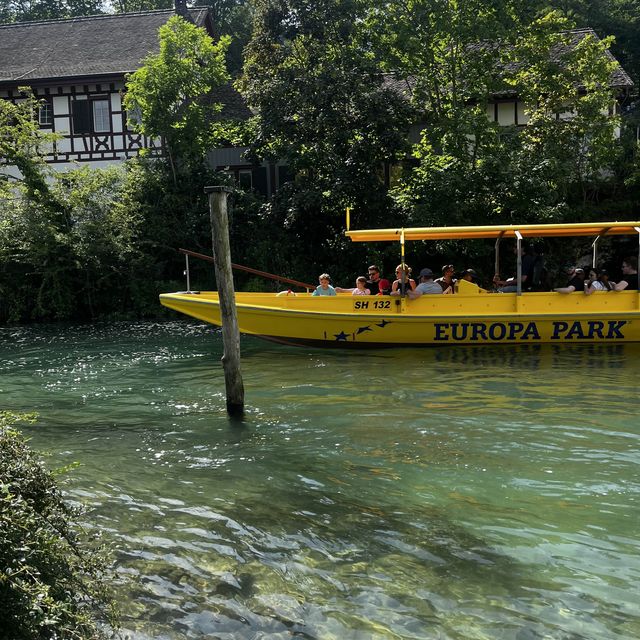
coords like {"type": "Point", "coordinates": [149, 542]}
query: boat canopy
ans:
{"type": "Point", "coordinates": [496, 231]}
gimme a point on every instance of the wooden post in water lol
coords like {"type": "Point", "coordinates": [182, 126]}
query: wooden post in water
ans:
{"type": "Point", "coordinates": [224, 277]}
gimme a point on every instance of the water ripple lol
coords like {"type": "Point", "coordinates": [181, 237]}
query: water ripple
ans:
{"type": "Point", "coordinates": [432, 494]}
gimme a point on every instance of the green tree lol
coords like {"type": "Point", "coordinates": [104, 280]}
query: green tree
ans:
{"type": "Point", "coordinates": [468, 169]}
{"type": "Point", "coordinates": [129, 6]}
{"type": "Point", "coordinates": [53, 580]}
{"type": "Point", "coordinates": [18, 11]}
{"type": "Point", "coordinates": [171, 92]}
{"type": "Point", "coordinates": [620, 18]}
{"type": "Point", "coordinates": [22, 147]}
{"type": "Point", "coordinates": [326, 111]}
{"type": "Point", "coordinates": [232, 18]}
{"type": "Point", "coordinates": [572, 126]}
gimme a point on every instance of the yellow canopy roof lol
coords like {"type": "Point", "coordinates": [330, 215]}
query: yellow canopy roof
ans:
{"type": "Point", "coordinates": [497, 231]}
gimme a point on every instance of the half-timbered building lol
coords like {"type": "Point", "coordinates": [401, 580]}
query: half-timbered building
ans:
{"type": "Point", "coordinates": [78, 68]}
{"type": "Point", "coordinates": [507, 108]}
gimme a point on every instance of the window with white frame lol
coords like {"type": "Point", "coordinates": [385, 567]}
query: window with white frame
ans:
{"type": "Point", "coordinates": [91, 116]}
{"type": "Point", "coordinates": [101, 117]}
{"type": "Point", "coordinates": [45, 114]}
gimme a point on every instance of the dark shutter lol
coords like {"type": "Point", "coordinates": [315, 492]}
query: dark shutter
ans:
{"type": "Point", "coordinates": [81, 116]}
{"type": "Point", "coordinates": [260, 180]}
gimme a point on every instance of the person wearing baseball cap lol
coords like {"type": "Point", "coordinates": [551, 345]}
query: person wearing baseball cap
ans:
{"type": "Point", "coordinates": [469, 275]}
{"type": "Point", "coordinates": [427, 285]}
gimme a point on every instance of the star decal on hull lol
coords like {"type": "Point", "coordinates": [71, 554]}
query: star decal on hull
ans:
{"type": "Point", "coordinates": [343, 336]}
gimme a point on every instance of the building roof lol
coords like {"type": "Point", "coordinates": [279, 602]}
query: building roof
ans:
{"type": "Point", "coordinates": [102, 45]}
{"type": "Point", "coordinates": [619, 77]}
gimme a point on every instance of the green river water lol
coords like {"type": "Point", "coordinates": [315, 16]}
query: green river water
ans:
{"type": "Point", "coordinates": [446, 493]}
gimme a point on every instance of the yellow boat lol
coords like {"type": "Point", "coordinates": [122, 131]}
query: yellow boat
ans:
{"type": "Point", "coordinates": [471, 316]}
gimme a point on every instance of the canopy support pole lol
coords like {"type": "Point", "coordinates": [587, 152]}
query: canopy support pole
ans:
{"type": "Point", "coordinates": [186, 273]}
{"type": "Point", "coordinates": [594, 261]}
{"type": "Point", "coordinates": [519, 267]}
{"type": "Point", "coordinates": [638, 231]}
{"type": "Point", "coordinates": [403, 276]}
{"type": "Point", "coordinates": [496, 270]}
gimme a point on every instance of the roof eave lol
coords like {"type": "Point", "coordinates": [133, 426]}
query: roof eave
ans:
{"type": "Point", "coordinates": [70, 79]}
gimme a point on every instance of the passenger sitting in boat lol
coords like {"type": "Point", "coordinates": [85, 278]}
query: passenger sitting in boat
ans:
{"type": "Point", "coordinates": [324, 288]}
{"type": "Point", "coordinates": [629, 280]}
{"type": "Point", "coordinates": [593, 282]}
{"type": "Point", "coordinates": [427, 285]}
{"type": "Point", "coordinates": [403, 274]}
{"type": "Point", "coordinates": [469, 275]}
{"type": "Point", "coordinates": [384, 287]}
{"type": "Point", "coordinates": [510, 285]}
{"type": "Point", "coordinates": [447, 281]}
{"type": "Point", "coordinates": [604, 279]}
{"type": "Point", "coordinates": [576, 280]}
{"type": "Point", "coordinates": [359, 290]}
{"type": "Point", "coordinates": [373, 283]}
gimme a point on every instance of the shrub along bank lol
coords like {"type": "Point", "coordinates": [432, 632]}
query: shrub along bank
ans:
{"type": "Point", "coordinates": [53, 580]}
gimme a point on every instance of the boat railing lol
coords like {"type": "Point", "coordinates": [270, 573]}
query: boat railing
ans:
{"type": "Point", "coordinates": [239, 267]}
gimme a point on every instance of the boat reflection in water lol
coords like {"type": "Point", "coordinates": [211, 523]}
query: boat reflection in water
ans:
{"type": "Point", "coordinates": [536, 356]}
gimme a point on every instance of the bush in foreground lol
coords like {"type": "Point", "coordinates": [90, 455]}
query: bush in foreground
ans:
{"type": "Point", "coordinates": [52, 581]}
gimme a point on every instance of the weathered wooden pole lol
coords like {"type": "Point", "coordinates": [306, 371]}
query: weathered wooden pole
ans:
{"type": "Point", "coordinates": [224, 277]}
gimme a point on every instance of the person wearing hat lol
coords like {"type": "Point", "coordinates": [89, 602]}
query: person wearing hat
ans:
{"type": "Point", "coordinates": [469, 275]}
{"type": "Point", "coordinates": [576, 280]}
{"type": "Point", "coordinates": [427, 285]}
{"type": "Point", "coordinates": [447, 281]}
{"type": "Point", "coordinates": [604, 279]}
{"type": "Point", "coordinates": [384, 287]}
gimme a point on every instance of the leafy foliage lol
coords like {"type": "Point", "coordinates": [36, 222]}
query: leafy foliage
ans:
{"type": "Point", "coordinates": [326, 112]}
{"type": "Point", "coordinates": [21, 146]}
{"type": "Point", "coordinates": [22, 11]}
{"type": "Point", "coordinates": [70, 258]}
{"type": "Point", "coordinates": [170, 92]}
{"type": "Point", "coordinates": [470, 170]}
{"type": "Point", "coordinates": [52, 575]}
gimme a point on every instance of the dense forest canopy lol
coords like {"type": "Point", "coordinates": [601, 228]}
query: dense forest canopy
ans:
{"type": "Point", "coordinates": [378, 106]}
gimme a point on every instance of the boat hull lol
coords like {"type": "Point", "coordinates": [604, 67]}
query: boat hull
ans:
{"type": "Point", "coordinates": [384, 321]}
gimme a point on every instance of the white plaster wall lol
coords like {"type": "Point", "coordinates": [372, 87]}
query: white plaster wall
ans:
{"type": "Point", "coordinates": [523, 116]}
{"type": "Point", "coordinates": [506, 113]}
{"type": "Point", "coordinates": [60, 106]}
{"type": "Point", "coordinates": [116, 119]}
